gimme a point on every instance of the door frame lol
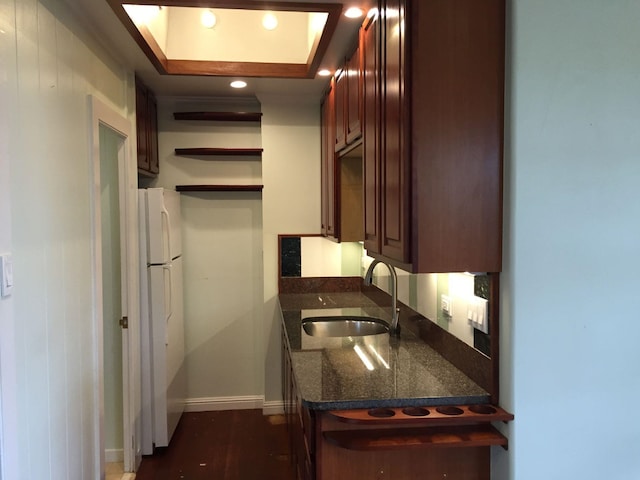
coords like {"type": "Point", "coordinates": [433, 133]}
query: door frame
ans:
{"type": "Point", "coordinates": [103, 115]}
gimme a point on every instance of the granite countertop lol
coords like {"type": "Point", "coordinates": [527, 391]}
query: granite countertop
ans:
{"type": "Point", "coordinates": [331, 375]}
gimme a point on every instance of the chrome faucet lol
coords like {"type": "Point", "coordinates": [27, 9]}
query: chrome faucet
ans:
{"type": "Point", "coordinates": [395, 311]}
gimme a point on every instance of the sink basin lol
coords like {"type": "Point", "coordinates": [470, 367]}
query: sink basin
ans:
{"type": "Point", "coordinates": [344, 326]}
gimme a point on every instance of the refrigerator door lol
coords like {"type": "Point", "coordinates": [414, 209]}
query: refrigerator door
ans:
{"type": "Point", "coordinates": [167, 334]}
{"type": "Point", "coordinates": [146, 361]}
{"type": "Point", "coordinates": [164, 225]}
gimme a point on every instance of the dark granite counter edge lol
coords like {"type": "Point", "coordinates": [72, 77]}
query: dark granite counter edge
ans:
{"type": "Point", "coordinates": [397, 403]}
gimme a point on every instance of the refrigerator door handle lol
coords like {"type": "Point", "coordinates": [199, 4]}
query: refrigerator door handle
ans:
{"type": "Point", "coordinates": [165, 214]}
{"type": "Point", "coordinates": [167, 267]}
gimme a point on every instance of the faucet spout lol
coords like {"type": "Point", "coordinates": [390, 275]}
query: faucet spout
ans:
{"type": "Point", "coordinates": [394, 329]}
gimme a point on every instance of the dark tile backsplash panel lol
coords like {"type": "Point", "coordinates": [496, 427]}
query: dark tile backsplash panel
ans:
{"type": "Point", "coordinates": [291, 260]}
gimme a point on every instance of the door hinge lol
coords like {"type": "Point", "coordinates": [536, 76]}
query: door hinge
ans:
{"type": "Point", "coordinates": [124, 322]}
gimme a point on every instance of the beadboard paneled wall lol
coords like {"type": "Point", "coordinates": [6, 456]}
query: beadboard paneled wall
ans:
{"type": "Point", "coordinates": [49, 67]}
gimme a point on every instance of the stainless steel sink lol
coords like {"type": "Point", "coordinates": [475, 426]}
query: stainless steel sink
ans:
{"type": "Point", "coordinates": [344, 326]}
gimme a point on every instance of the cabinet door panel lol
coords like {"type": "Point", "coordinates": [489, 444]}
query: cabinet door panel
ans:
{"type": "Point", "coordinates": [152, 137]}
{"type": "Point", "coordinates": [141, 127]}
{"type": "Point", "coordinates": [354, 97]}
{"type": "Point", "coordinates": [371, 125]}
{"type": "Point", "coordinates": [328, 204]}
{"type": "Point", "coordinates": [340, 100]}
{"type": "Point", "coordinates": [395, 160]}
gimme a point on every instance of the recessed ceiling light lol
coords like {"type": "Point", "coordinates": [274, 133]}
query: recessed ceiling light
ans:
{"type": "Point", "coordinates": [208, 19]}
{"type": "Point", "coordinates": [353, 12]}
{"type": "Point", "coordinates": [238, 84]}
{"type": "Point", "coordinates": [324, 72]}
{"type": "Point", "coordinates": [269, 21]}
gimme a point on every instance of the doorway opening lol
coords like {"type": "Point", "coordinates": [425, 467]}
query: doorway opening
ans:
{"type": "Point", "coordinates": [116, 333]}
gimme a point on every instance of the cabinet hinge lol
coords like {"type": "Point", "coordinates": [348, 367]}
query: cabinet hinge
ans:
{"type": "Point", "coordinates": [124, 322]}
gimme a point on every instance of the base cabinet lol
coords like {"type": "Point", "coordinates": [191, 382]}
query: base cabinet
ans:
{"type": "Point", "coordinates": [447, 442]}
{"type": "Point", "coordinates": [444, 463]}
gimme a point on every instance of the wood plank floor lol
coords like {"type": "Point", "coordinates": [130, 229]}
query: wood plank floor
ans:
{"type": "Point", "coordinates": [227, 445]}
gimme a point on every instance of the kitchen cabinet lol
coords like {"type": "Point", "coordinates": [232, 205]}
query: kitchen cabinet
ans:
{"type": "Point", "coordinates": [427, 442]}
{"type": "Point", "coordinates": [340, 100]}
{"type": "Point", "coordinates": [353, 102]}
{"type": "Point", "coordinates": [300, 422]}
{"type": "Point", "coordinates": [329, 220]}
{"type": "Point", "coordinates": [348, 100]}
{"type": "Point", "coordinates": [341, 157]}
{"type": "Point", "coordinates": [433, 131]}
{"type": "Point", "coordinates": [370, 47]}
{"type": "Point", "coordinates": [146, 130]}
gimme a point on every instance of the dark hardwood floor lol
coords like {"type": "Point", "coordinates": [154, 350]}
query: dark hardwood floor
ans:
{"type": "Point", "coordinates": [227, 445]}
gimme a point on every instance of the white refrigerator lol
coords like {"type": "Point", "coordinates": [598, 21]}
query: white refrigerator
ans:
{"type": "Point", "coordinates": [161, 316]}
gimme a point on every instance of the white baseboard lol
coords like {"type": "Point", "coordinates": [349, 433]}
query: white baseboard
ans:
{"type": "Point", "coordinates": [114, 455]}
{"type": "Point", "coordinates": [212, 404]}
{"type": "Point", "coordinates": [273, 407]}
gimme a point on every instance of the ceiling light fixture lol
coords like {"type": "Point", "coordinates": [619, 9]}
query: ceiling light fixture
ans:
{"type": "Point", "coordinates": [353, 12]}
{"type": "Point", "coordinates": [269, 21]}
{"type": "Point", "coordinates": [208, 19]}
{"type": "Point", "coordinates": [324, 72]}
{"type": "Point", "coordinates": [238, 84]}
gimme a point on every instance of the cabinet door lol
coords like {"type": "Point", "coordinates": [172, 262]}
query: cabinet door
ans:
{"type": "Point", "coordinates": [395, 205]}
{"type": "Point", "coordinates": [141, 127]}
{"type": "Point", "coordinates": [152, 133]}
{"type": "Point", "coordinates": [457, 70]}
{"type": "Point", "coordinates": [340, 99]}
{"type": "Point", "coordinates": [328, 190]}
{"type": "Point", "coordinates": [370, 47]}
{"type": "Point", "coordinates": [354, 97]}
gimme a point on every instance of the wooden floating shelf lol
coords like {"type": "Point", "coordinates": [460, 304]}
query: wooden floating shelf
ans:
{"type": "Point", "coordinates": [385, 439]}
{"type": "Point", "coordinates": [219, 116]}
{"type": "Point", "coordinates": [219, 188]}
{"type": "Point", "coordinates": [225, 152]}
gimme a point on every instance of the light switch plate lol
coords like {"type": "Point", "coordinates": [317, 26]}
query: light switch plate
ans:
{"type": "Point", "coordinates": [447, 307]}
{"type": "Point", "coordinates": [6, 275]}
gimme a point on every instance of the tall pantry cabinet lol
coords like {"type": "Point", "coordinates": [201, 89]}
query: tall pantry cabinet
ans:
{"type": "Point", "coordinates": [433, 130]}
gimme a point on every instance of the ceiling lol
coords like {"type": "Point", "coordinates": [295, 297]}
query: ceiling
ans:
{"type": "Point", "coordinates": [101, 19]}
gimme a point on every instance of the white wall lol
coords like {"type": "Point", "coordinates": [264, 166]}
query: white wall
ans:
{"type": "Point", "coordinates": [291, 204]}
{"type": "Point", "coordinates": [49, 67]}
{"type": "Point", "coordinates": [570, 318]}
{"type": "Point", "coordinates": [9, 462]}
{"type": "Point", "coordinates": [222, 251]}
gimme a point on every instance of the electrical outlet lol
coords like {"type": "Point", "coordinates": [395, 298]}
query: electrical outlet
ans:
{"type": "Point", "coordinates": [446, 305]}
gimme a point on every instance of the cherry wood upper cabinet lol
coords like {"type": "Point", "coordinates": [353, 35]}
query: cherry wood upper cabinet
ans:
{"type": "Point", "coordinates": [370, 48]}
{"type": "Point", "coordinates": [146, 130]}
{"type": "Point", "coordinates": [354, 97]}
{"type": "Point", "coordinates": [348, 102]}
{"type": "Point", "coordinates": [440, 134]}
{"type": "Point", "coordinates": [395, 209]}
{"type": "Point", "coordinates": [329, 220]}
{"type": "Point", "coordinates": [340, 110]}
